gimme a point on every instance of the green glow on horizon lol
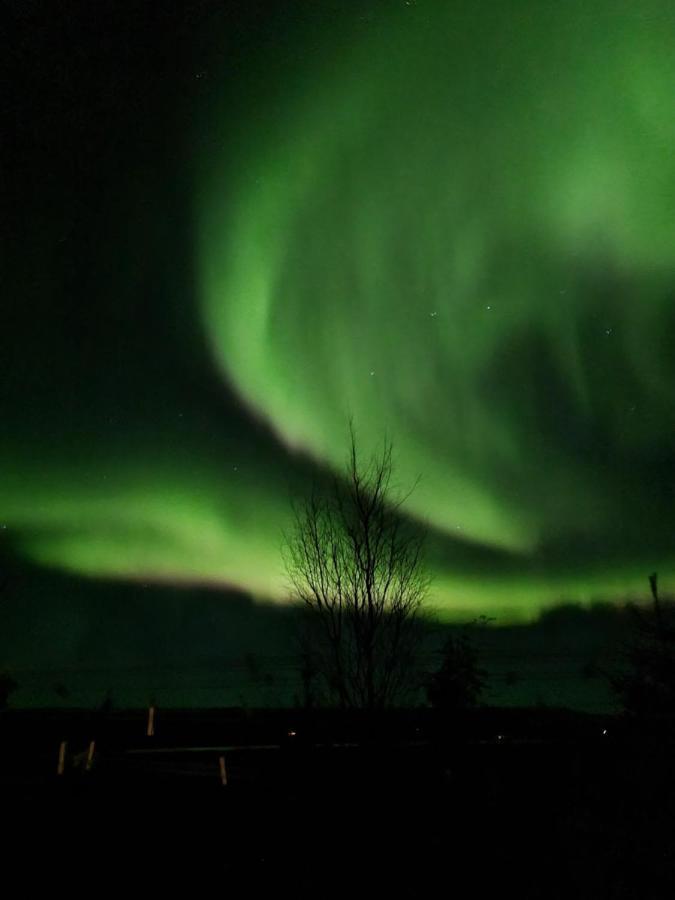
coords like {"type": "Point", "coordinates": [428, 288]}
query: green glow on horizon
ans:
{"type": "Point", "coordinates": [154, 523]}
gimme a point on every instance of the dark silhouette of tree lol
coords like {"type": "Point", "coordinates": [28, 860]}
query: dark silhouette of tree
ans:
{"type": "Point", "coordinates": [646, 686]}
{"type": "Point", "coordinates": [107, 704]}
{"type": "Point", "coordinates": [356, 566]}
{"type": "Point", "coordinates": [7, 683]}
{"type": "Point", "coordinates": [307, 669]}
{"type": "Point", "coordinates": [61, 691]}
{"type": "Point", "coordinates": [7, 687]}
{"type": "Point", "coordinates": [459, 683]}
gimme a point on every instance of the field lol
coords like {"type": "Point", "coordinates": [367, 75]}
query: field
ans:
{"type": "Point", "coordinates": [547, 803]}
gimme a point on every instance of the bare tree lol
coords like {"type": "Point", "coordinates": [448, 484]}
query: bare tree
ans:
{"type": "Point", "coordinates": [356, 565]}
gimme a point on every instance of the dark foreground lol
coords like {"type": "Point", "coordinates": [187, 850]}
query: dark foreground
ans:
{"type": "Point", "coordinates": [560, 807]}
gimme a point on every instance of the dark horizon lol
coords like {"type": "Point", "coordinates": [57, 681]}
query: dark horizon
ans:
{"type": "Point", "coordinates": [73, 642]}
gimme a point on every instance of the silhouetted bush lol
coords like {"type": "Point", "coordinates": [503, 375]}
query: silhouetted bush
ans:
{"type": "Point", "coordinates": [460, 682]}
{"type": "Point", "coordinates": [646, 685]}
{"type": "Point", "coordinates": [7, 687]}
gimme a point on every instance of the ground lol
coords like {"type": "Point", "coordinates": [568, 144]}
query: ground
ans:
{"type": "Point", "coordinates": [590, 815]}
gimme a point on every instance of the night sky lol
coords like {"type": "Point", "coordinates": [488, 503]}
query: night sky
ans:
{"type": "Point", "coordinates": [228, 228]}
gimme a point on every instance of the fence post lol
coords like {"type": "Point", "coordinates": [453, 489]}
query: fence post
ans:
{"type": "Point", "coordinates": [62, 758]}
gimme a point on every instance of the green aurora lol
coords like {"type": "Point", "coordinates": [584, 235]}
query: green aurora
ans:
{"type": "Point", "coordinates": [454, 225]}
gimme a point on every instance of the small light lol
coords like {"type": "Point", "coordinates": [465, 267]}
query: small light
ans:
{"type": "Point", "coordinates": [604, 731]}
{"type": "Point", "coordinates": [291, 733]}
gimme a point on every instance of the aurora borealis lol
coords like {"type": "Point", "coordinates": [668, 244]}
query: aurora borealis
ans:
{"type": "Point", "coordinates": [450, 222]}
